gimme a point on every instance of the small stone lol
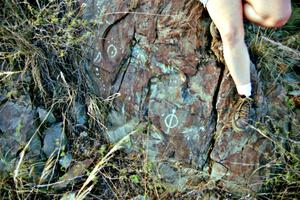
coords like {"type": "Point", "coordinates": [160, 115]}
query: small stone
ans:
{"type": "Point", "coordinates": [46, 116]}
{"type": "Point", "coordinates": [65, 161]}
{"type": "Point", "coordinates": [80, 113]}
{"type": "Point", "coordinates": [218, 171]}
{"type": "Point", "coordinates": [140, 197]}
{"type": "Point", "coordinates": [54, 139]}
{"type": "Point", "coordinates": [69, 196]}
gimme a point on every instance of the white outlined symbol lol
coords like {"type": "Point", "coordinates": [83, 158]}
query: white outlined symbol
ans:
{"type": "Point", "coordinates": [98, 57]}
{"type": "Point", "coordinates": [97, 71]}
{"type": "Point", "coordinates": [171, 121]}
{"type": "Point", "coordinates": [112, 50]}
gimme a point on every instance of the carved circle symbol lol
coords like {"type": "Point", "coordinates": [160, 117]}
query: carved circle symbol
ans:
{"type": "Point", "coordinates": [112, 50]}
{"type": "Point", "coordinates": [171, 121]}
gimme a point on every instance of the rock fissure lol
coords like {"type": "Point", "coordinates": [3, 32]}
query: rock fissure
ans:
{"type": "Point", "coordinates": [123, 70]}
{"type": "Point", "coordinates": [214, 119]}
{"type": "Point", "coordinates": [172, 83]}
{"type": "Point", "coordinates": [109, 28]}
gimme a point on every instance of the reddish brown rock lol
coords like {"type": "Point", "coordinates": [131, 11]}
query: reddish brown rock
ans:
{"type": "Point", "coordinates": [156, 55]}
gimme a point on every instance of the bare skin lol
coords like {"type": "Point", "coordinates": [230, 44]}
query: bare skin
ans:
{"type": "Point", "coordinates": [268, 13]}
{"type": "Point", "coordinates": [228, 17]}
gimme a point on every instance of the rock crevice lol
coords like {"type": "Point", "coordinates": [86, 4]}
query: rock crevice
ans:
{"type": "Point", "coordinates": [156, 55]}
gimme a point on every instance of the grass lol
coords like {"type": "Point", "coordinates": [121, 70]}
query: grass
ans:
{"type": "Point", "coordinates": [43, 46]}
{"type": "Point", "coordinates": [277, 57]}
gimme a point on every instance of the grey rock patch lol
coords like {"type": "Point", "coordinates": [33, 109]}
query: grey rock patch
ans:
{"type": "Point", "coordinates": [17, 127]}
{"type": "Point", "coordinates": [54, 139]}
{"type": "Point", "coordinates": [65, 161]}
{"type": "Point", "coordinates": [80, 113]}
{"type": "Point", "coordinates": [46, 116]}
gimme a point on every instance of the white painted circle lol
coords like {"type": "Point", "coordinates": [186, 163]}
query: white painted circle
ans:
{"type": "Point", "coordinates": [112, 50]}
{"type": "Point", "coordinates": [171, 121]}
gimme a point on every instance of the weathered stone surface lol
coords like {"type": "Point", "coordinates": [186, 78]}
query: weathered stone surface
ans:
{"type": "Point", "coordinates": [54, 139]}
{"type": "Point", "coordinates": [239, 154]}
{"type": "Point", "coordinates": [17, 127]}
{"type": "Point", "coordinates": [65, 161]}
{"type": "Point", "coordinates": [80, 113]}
{"type": "Point", "coordinates": [46, 116]}
{"type": "Point", "coordinates": [155, 54]}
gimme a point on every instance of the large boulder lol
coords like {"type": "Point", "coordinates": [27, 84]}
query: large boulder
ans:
{"type": "Point", "coordinates": [156, 55]}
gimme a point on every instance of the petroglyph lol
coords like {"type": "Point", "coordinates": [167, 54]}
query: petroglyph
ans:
{"type": "Point", "coordinates": [112, 50]}
{"type": "Point", "coordinates": [98, 58]}
{"type": "Point", "coordinates": [171, 121]}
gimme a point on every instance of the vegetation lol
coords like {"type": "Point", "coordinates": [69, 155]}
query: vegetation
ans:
{"type": "Point", "coordinates": [277, 57]}
{"type": "Point", "coordinates": [43, 51]}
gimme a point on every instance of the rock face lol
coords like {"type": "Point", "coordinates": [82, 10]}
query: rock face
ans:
{"type": "Point", "coordinates": [17, 127]}
{"type": "Point", "coordinates": [156, 56]}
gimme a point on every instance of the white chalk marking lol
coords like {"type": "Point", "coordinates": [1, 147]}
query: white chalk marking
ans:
{"type": "Point", "coordinates": [112, 50]}
{"type": "Point", "coordinates": [171, 121]}
{"type": "Point", "coordinates": [98, 57]}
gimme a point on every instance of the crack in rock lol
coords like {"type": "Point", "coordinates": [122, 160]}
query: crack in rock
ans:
{"type": "Point", "coordinates": [157, 59]}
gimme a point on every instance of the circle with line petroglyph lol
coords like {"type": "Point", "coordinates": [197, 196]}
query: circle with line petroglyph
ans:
{"type": "Point", "coordinates": [112, 50]}
{"type": "Point", "coordinates": [171, 121]}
